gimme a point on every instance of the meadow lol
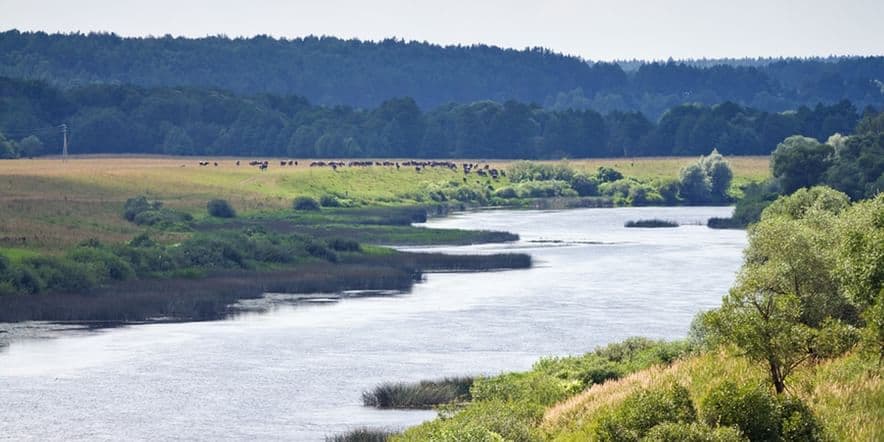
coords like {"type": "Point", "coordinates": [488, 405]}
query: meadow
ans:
{"type": "Point", "coordinates": [49, 205]}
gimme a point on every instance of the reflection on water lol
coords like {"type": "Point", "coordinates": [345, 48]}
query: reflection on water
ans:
{"type": "Point", "coordinates": [297, 371]}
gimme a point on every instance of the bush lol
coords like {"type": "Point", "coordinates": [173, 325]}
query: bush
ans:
{"type": "Point", "coordinates": [608, 175]}
{"type": "Point", "coordinates": [522, 171]}
{"type": "Point", "coordinates": [329, 201]}
{"type": "Point", "coordinates": [797, 422]}
{"type": "Point", "coordinates": [694, 432]}
{"type": "Point", "coordinates": [750, 408]}
{"type": "Point", "coordinates": [305, 203]}
{"type": "Point", "coordinates": [220, 209]}
{"type": "Point", "coordinates": [134, 206]}
{"type": "Point", "coordinates": [62, 275]}
{"type": "Point", "coordinates": [506, 192]}
{"type": "Point", "coordinates": [102, 264]}
{"type": "Point", "coordinates": [644, 410]}
{"type": "Point", "coordinates": [318, 250]}
{"type": "Point", "coordinates": [344, 245]}
{"type": "Point", "coordinates": [544, 189]}
{"type": "Point", "coordinates": [362, 435]}
{"type": "Point", "coordinates": [585, 185]}
{"type": "Point", "coordinates": [532, 386]}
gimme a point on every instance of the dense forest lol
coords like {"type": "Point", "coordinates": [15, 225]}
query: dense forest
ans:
{"type": "Point", "coordinates": [331, 71]}
{"type": "Point", "coordinates": [131, 119]}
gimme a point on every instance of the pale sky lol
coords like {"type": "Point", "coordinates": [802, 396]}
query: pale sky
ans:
{"type": "Point", "coordinates": [596, 30]}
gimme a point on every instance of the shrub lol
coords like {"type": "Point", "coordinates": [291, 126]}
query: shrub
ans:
{"type": "Point", "coordinates": [834, 338]}
{"type": "Point", "coordinates": [608, 174]}
{"type": "Point", "coordinates": [522, 171]}
{"type": "Point", "coordinates": [134, 206]}
{"type": "Point", "coordinates": [693, 432]}
{"type": "Point", "coordinates": [329, 201]}
{"type": "Point", "coordinates": [220, 209]}
{"type": "Point", "coordinates": [532, 386]}
{"type": "Point", "coordinates": [643, 410]}
{"type": "Point", "coordinates": [305, 203]}
{"type": "Point", "coordinates": [751, 408]}
{"type": "Point", "coordinates": [797, 422]}
{"type": "Point", "coordinates": [585, 185]}
{"type": "Point", "coordinates": [506, 192]}
{"type": "Point", "coordinates": [344, 245]}
{"type": "Point", "coordinates": [59, 274]}
{"type": "Point", "coordinates": [318, 250]}
{"type": "Point", "coordinates": [102, 264]}
{"type": "Point", "coordinates": [544, 189]}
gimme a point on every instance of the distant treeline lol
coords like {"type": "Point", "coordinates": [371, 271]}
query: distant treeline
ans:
{"type": "Point", "coordinates": [332, 71]}
{"type": "Point", "coordinates": [131, 119]}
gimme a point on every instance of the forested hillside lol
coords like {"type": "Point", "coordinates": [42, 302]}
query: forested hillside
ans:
{"type": "Point", "coordinates": [131, 119]}
{"type": "Point", "coordinates": [331, 71]}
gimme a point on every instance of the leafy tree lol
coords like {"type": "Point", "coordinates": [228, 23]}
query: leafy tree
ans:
{"type": "Point", "coordinates": [694, 185]}
{"type": "Point", "coordinates": [30, 146]}
{"type": "Point", "coordinates": [720, 175]}
{"type": "Point", "coordinates": [800, 162]}
{"type": "Point", "coordinates": [8, 148]}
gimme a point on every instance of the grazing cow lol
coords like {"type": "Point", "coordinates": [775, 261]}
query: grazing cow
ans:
{"type": "Point", "coordinates": [263, 167]}
{"type": "Point", "coordinates": [216, 164]}
{"type": "Point", "coordinates": [237, 162]}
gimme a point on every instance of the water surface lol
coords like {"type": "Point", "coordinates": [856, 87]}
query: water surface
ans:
{"type": "Point", "coordinates": [296, 373]}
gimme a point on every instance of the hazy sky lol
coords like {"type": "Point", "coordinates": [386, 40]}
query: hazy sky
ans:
{"type": "Point", "coordinates": [598, 30]}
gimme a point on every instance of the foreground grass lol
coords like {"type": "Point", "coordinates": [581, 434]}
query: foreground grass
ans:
{"type": "Point", "coordinates": [845, 395]}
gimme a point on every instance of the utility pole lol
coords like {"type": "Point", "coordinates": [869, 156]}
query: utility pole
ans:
{"type": "Point", "coordinates": [64, 150]}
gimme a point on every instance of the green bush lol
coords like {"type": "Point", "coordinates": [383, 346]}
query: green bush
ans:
{"type": "Point", "coordinates": [522, 171]}
{"type": "Point", "coordinates": [62, 275]}
{"type": "Point", "coordinates": [344, 245]}
{"type": "Point", "coordinates": [608, 174]}
{"type": "Point", "coordinates": [644, 410]}
{"type": "Point", "coordinates": [329, 201]}
{"type": "Point", "coordinates": [506, 192]}
{"type": "Point", "coordinates": [305, 203]}
{"type": "Point", "coordinates": [544, 189]}
{"type": "Point", "coordinates": [585, 185]}
{"type": "Point", "coordinates": [220, 209]}
{"type": "Point", "coordinates": [102, 264]}
{"type": "Point", "coordinates": [693, 432]}
{"type": "Point", "coordinates": [797, 422]}
{"type": "Point", "coordinates": [532, 386]}
{"type": "Point", "coordinates": [138, 204]}
{"type": "Point", "coordinates": [834, 338]}
{"type": "Point", "coordinates": [750, 408]}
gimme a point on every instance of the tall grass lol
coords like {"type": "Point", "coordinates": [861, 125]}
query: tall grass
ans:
{"type": "Point", "coordinates": [362, 435]}
{"type": "Point", "coordinates": [651, 223]}
{"type": "Point", "coordinates": [424, 394]}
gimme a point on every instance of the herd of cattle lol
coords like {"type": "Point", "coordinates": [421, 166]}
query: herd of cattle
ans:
{"type": "Point", "coordinates": [467, 168]}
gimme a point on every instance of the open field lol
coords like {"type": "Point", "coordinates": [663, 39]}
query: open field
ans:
{"type": "Point", "coordinates": [48, 205]}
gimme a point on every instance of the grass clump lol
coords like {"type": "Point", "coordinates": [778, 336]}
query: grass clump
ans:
{"type": "Point", "coordinates": [362, 435]}
{"type": "Point", "coordinates": [651, 223]}
{"type": "Point", "coordinates": [424, 394]}
{"type": "Point", "coordinates": [220, 209]}
{"type": "Point", "coordinates": [305, 203]}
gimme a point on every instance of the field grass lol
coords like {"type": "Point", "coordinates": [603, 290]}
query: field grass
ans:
{"type": "Point", "coordinates": [50, 205]}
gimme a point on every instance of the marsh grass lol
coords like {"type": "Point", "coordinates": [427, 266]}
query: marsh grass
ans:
{"type": "Point", "coordinates": [421, 395]}
{"type": "Point", "coordinates": [651, 223]}
{"type": "Point", "coordinates": [362, 435]}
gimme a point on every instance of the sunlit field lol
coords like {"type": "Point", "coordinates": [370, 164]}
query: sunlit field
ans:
{"type": "Point", "coordinates": [49, 204]}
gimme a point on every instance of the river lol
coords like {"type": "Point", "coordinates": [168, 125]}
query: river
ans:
{"type": "Point", "coordinates": [297, 372]}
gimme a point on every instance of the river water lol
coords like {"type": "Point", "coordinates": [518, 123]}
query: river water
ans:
{"type": "Point", "coordinates": [297, 372]}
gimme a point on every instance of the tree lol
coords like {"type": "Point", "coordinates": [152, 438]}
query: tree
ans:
{"type": "Point", "coordinates": [8, 148]}
{"type": "Point", "coordinates": [720, 175]}
{"type": "Point", "coordinates": [787, 292]}
{"type": "Point", "coordinates": [220, 209]}
{"type": "Point", "coordinates": [694, 185]}
{"type": "Point", "coordinates": [800, 162]}
{"type": "Point", "coordinates": [30, 146]}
